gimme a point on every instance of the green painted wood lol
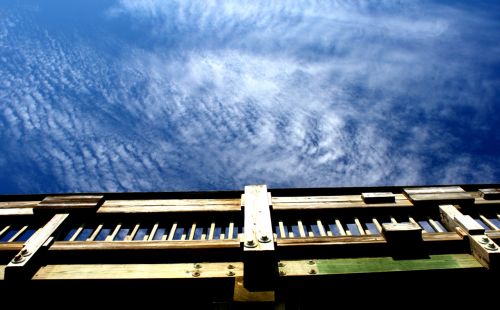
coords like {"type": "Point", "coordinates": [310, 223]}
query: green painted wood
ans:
{"type": "Point", "coordinates": [388, 264]}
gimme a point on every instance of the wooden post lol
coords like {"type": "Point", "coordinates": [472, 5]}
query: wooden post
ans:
{"type": "Point", "coordinates": [259, 259]}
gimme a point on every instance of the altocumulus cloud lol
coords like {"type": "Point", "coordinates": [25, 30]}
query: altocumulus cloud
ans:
{"type": "Point", "coordinates": [186, 95]}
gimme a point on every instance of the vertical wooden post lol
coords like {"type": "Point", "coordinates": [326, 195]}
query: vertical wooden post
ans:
{"type": "Point", "coordinates": [259, 258]}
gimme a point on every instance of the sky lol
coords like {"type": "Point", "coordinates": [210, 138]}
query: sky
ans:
{"type": "Point", "coordinates": [187, 95]}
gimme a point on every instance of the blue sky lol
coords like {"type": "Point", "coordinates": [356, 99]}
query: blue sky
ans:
{"type": "Point", "coordinates": [202, 95]}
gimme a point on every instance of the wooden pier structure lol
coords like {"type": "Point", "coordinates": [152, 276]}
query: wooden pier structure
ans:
{"type": "Point", "coordinates": [279, 247]}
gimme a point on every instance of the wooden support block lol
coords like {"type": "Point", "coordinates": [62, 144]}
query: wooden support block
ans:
{"type": "Point", "coordinates": [258, 246]}
{"type": "Point", "coordinates": [490, 193]}
{"type": "Point", "coordinates": [404, 239]}
{"type": "Point", "coordinates": [22, 264]}
{"type": "Point", "coordinates": [439, 195]}
{"type": "Point", "coordinates": [383, 197]}
{"type": "Point", "coordinates": [433, 190]}
{"type": "Point", "coordinates": [66, 203]}
{"type": "Point", "coordinates": [469, 224]}
{"type": "Point", "coordinates": [485, 251]}
{"type": "Point", "coordinates": [447, 214]}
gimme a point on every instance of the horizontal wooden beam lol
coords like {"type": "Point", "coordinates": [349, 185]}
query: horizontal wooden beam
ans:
{"type": "Point", "coordinates": [143, 245]}
{"type": "Point", "coordinates": [66, 203]}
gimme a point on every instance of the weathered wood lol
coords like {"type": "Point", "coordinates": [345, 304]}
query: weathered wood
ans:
{"type": "Point", "coordinates": [170, 205]}
{"type": "Point", "coordinates": [137, 271]}
{"type": "Point", "coordinates": [381, 197]}
{"type": "Point", "coordinates": [486, 251]}
{"type": "Point", "coordinates": [21, 263]}
{"type": "Point", "coordinates": [490, 193]}
{"type": "Point", "coordinates": [321, 229]}
{"type": "Point", "coordinates": [258, 251]}
{"type": "Point", "coordinates": [324, 205]}
{"type": "Point", "coordinates": [95, 233]}
{"type": "Point", "coordinates": [69, 202]}
{"type": "Point", "coordinates": [442, 198]}
{"type": "Point", "coordinates": [18, 204]}
{"type": "Point", "coordinates": [143, 245]}
{"type": "Point", "coordinates": [433, 190]}
{"type": "Point", "coordinates": [340, 266]}
{"type": "Point", "coordinates": [469, 224]}
{"type": "Point", "coordinates": [447, 214]}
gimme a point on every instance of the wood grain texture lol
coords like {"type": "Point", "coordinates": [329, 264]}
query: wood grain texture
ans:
{"type": "Point", "coordinates": [69, 202]}
{"type": "Point", "coordinates": [136, 271]}
{"type": "Point", "coordinates": [18, 204]}
{"type": "Point", "coordinates": [170, 205]}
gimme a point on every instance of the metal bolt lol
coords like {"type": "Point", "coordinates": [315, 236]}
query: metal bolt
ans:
{"type": "Point", "coordinates": [491, 246]}
{"type": "Point", "coordinates": [230, 266]}
{"type": "Point", "coordinates": [250, 244]}
{"type": "Point", "coordinates": [282, 273]}
{"type": "Point", "coordinates": [195, 274]}
{"type": "Point", "coordinates": [18, 259]}
{"type": "Point", "coordinates": [25, 252]}
{"type": "Point", "coordinates": [197, 266]}
{"type": "Point", "coordinates": [484, 240]}
{"type": "Point", "coordinates": [264, 239]}
{"type": "Point", "coordinates": [280, 264]}
{"type": "Point", "coordinates": [230, 273]}
{"type": "Point", "coordinates": [311, 262]}
{"type": "Point", "coordinates": [312, 271]}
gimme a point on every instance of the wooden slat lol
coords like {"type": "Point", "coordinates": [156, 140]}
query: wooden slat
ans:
{"type": "Point", "coordinates": [412, 220]}
{"type": "Point", "coordinates": [488, 222]}
{"type": "Point", "coordinates": [135, 271]}
{"type": "Point", "coordinates": [144, 245]}
{"type": "Point", "coordinates": [19, 232]}
{"type": "Point", "coordinates": [4, 230]}
{"type": "Point", "coordinates": [435, 226]}
{"type": "Point", "coordinates": [359, 226]}
{"type": "Point", "coordinates": [231, 231]}
{"type": "Point", "coordinates": [285, 206]}
{"type": "Point", "coordinates": [192, 232]}
{"type": "Point", "coordinates": [95, 233]}
{"type": "Point", "coordinates": [77, 232]}
{"type": "Point", "coordinates": [113, 234]}
{"type": "Point", "coordinates": [377, 225]}
{"type": "Point", "coordinates": [68, 202]}
{"type": "Point", "coordinates": [282, 229]}
{"type": "Point", "coordinates": [16, 211]}
{"type": "Point", "coordinates": [131, 236]}
{"type": "Point", "coordinates": [301, 229]}
{"type": "Point", "coordinates": [321, 229]}
{"type": "Point", "coordinates": [18, 204]}
{"type": "Point", "coordinates": [340, 228]}
{"type": "Point", "coordinates": [443, 198]}
{"type": "Point", "coordinates": [393, 220]}
{"type": "Point", "coordinates": [153, 232]}
{"type": "Point", "coordinates": [211, 233]}
{"type": "Point", "coordinates": [172, 231]}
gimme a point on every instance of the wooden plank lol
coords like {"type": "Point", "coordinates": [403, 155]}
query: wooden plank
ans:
{"type": "Point", "coordinates": [359, 226]}
{"type": "Point", "coordinates": [230, 234]}
{"type": "Point", "coordinates": [282, 229]}
{"type": "Point", "coordinates": [338, 205]}
{"type": "Point", "coordinates": [113, 234]}
{"type": "Point", "coordinates": [448, 214]}
{"type": "Point", "coordinates": [144, 245]}
{"type": "Point", "coordinates": [96, 232]}
{"type": "Point", "coordinates": [381, 197]}
{"type": "Point", "coordinates": [433, 190]}
{"type": "Point", "coordinates": [153, 232]}
{"type": "Point", "coordinates": [434, 225]}
{"type": "Point", "coordinates": [377, 225]}
{"type": "Point", "coordinates": [170, 205]}
{"type": "Point", "coordinates": [69, 202]}
{"type": "Point", "coordinates": [258, 244]}
{"type": "Point", "coordinates": [490, 193]}
{"type": "Point", "coordinates": [193, 230]}
{"type": "Point", "coordinates": [321, 229]}
{"type": "Point", "coordinates": [19, 232]}
{"type": "Point", "coordinates": [21, 262]}
{"type": "Point", "coordinates": [469, 224]}
{"type": "Point", "coordinates": [340, 228]}
{"type": "Point", "coordinates": [393, 220]}
{"type": "Point", "coordinates": [301, 229]}
{"type": "Point", "coordinates": [18, 204]}
{"type": "Point", "coordinates": [488, 222]}
{"type": "Point", "coordinates": [136, 271]}
{"type": "Point", "coordinates": [77, 232]}
{"type": "Point", "coordinates": [325, 199]}
{"type": "Point", "coordinates": [172, 232]}
{"type": "Point", "coordinates": [4, 230]}
{"type": "Point", "coordinates": [339, 266]}
{"type": "Point", "coordinates": [211, 233]}
{"type": "Point", "coordinates": [131, 236]}
{"type": "Point", "coordinates": [16, 211]}
{"type": "Point", "coordinates": [257, 219]}
{"type": "Point", "coordinates": [443, 198]}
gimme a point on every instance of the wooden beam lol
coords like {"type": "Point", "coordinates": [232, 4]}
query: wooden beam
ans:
{"type": "Point", "coordinates": [258, 243]}
{"type": "Point", "coordinates": [490, 193]}
{"type": "Point", "coordinates": [65, 203]}
{"type": "Point", "coordinates": [381, 197]}
{"type": "Point", "coordinates": [20, 265]}
{"type": "Point", "coordinates": [486, 251]}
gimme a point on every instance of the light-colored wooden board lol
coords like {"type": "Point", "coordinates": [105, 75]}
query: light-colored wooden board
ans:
{"type": "Point", "coordinates": [136, 271]}
{"type": "Point", "coordinates": [143, 245]}
{"type": "Point", "coordinates": [434, 190]}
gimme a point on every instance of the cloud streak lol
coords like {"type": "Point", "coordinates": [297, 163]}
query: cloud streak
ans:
{"type": "Point", "coordinates": [219, 94]}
